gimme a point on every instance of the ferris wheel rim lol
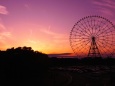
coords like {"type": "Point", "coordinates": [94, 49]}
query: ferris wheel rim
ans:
{"type": "Point", "coordinates": [97, 35]}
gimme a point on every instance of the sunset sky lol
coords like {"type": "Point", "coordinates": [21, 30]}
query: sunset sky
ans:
{"type": "Point", "coordinates": [45, 25]}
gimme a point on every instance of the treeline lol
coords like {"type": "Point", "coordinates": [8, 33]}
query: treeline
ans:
{"type": "Point", "coordinates": [21, 63]}
{"type": "Point", "coordinates": [84, 61]}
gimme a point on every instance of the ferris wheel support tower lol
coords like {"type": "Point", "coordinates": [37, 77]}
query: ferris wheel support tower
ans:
{"type": "Point", "coordinates": [94, 51]}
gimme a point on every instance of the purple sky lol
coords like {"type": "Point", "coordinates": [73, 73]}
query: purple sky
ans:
{"type": "Point", "coordinates": [45, 25]}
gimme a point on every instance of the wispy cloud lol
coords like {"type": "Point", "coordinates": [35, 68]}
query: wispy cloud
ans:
{"type": "Point", "coordinates": [2, 27]}
{"type": "Point", "coordinates": [106, 7]}
{"type": "Point", "coordinates": [6, 34]}
{"type": "Point", "coordinates": [5, 37]}
{"type": "Point", "coordinates": [57, 37]}
{"type": "Point", "coordinates": [105, 3]}
{"type": "Point", "coordinates": [47, 31]}
{"type": "Point", "coordinates": [31, 41]}
{"type": "Point", "coordinates": [106, 11]}
{"type": "Point", "coordinates": [3, 10]}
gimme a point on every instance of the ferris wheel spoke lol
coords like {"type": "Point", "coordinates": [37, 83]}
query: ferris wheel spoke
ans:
{"type": "Point", "coordinates": [106, 40]}
{"type": "Point", "coordinates": [82, 51]}
{"type": "Point", "coordinates": [101, 44]}
{"type": "Point", "coordinates": [80, 42]}
{"type": "Point", "coordinates": [84, 28]}
{"type": "Point", "coordinates": [107, 46]}
{"type": "Point", "coordinates": [94, 31]}
{"type": "Point", "coordinates": [97, 26]}
{"type": "Point", "coordinates": [89, 25]}
{"type": "Point", "coordinates": [92, 24]}
{"type": "Point", "coordinates": [84, 42]}
{"type": "Point", "coordinates": [106, 49]}
{"type": "Point", "coordinates": [86, 22]}
{"type": "Point", "coordinates": [100, 26]}
{"type": "Point", "coordinates": [109, 43]}
{"type": "Point", "coordinates": [103, 30]}
{"type": "Point", "coordinates": [82, 47]}
{"type": "Point", "coordinates": [80, 31]}
{"type": "Point", "coordinates": [75, 37]}
{"type": "Point", "coordinates": [85, 25]}
{"type": "Point", "coordinates": [101, 50]}
{"type": "Point", "coordinates": [107, 35]}
{"type": "Point", "coordinates": [81, 34]}
{"type": "Point", "coordinates": [97, 22]}
{"type": "Point", "coordinates": [79, 38]}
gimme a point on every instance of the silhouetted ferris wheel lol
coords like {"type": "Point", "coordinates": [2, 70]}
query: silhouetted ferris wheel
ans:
{"type": "Point", "coordinates": [93, 36]}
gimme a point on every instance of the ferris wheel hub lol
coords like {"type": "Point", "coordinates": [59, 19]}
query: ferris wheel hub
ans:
{"type": "Point", "coordinates": [93, 38]}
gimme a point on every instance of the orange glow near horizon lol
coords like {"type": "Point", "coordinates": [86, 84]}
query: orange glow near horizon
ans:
{"type": "Point", "coordinates": [45, 25]}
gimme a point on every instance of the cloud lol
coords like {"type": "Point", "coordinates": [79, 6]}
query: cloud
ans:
{"type": "Point", "coordinates": [2, 27]}
{"type": "Point", "coordinates": [6, 34]}
{"type": "Point", "coordinates": [57, 37]}
{"type": "Point", "coordinates": [106, 7]}
{"type": "Point", "coordinates": [46, 31]}
{"type": "Point", "coordinates": [5, 40]}
{"type": "Point", "coordinates": [106, 11]}
{"type": "Point", "coordinates": [3, 31]}
{"type": "Point", "coordinates": [3, 10]}
{"type": "Point", "coordinates": [31, 41]}
{"type": "Point", "coordinates": [63, 55]}
{"type": "Point", "coordinates": [105, 3]}
{"type": "Point", "coordinates": [5, 37]}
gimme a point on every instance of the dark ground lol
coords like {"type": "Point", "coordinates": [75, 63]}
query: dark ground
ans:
{"type": "Point", "coordinates": [23, 66]}
{"type": "Point", "coordinates": [90, 76]}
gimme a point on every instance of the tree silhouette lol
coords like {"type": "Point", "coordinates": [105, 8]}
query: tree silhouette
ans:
{"type": "Point", "coordinates": [22, 62]}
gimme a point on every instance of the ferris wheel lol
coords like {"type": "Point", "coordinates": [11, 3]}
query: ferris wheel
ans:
{"type": "Point", "coordinates": [93, 36]}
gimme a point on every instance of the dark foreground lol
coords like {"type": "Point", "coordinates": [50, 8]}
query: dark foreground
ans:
{"type": "Point", "coordinates": [23, 66]}
{"type": "Point", "coordinates": [90, 75]}
{"type": "Point", "coordinates": [66, 76]}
